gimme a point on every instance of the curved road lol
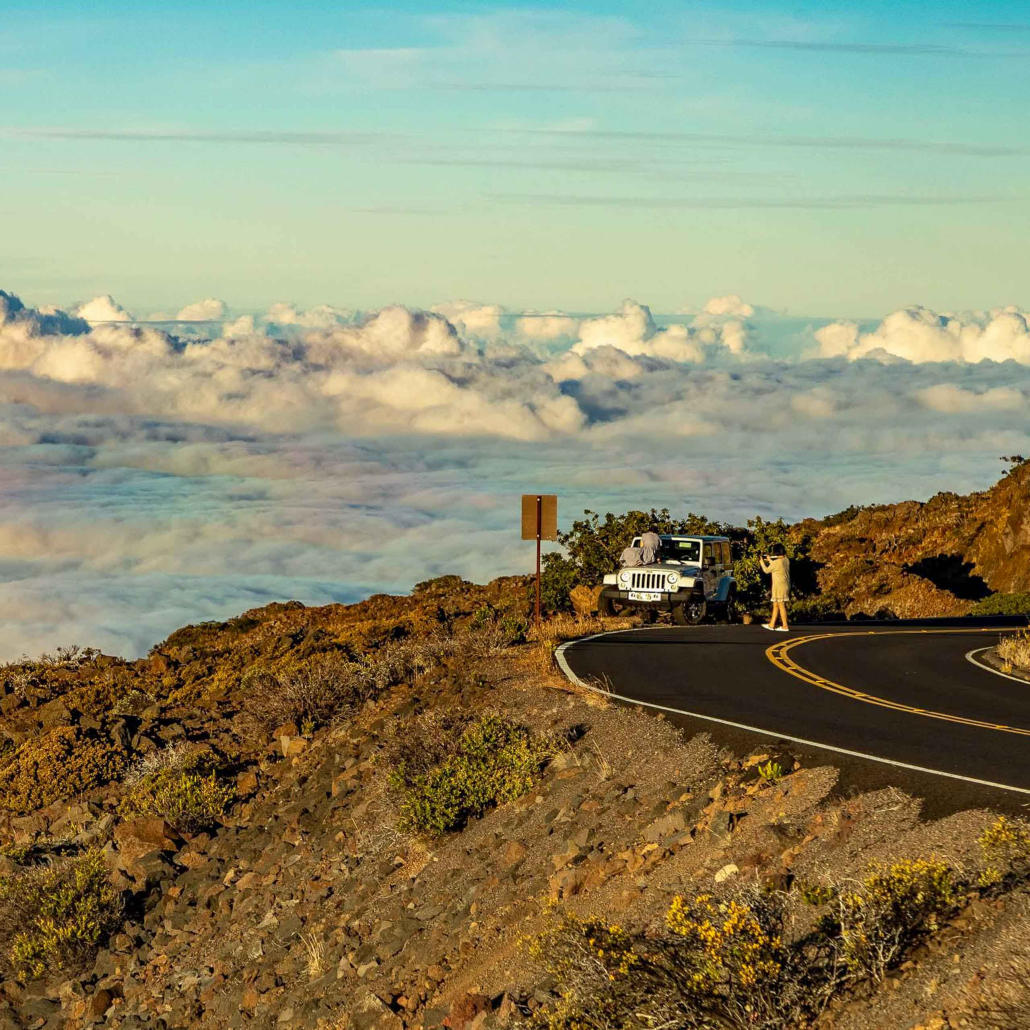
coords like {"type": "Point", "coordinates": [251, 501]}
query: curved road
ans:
{"type": "Point", "coordinates": [910, 695]}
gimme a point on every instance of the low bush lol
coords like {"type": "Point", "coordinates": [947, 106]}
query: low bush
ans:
{"type": "Point", "coordinates": [492, 762]}
{"type": "Point", "coordinates": [310, 692]}
{"type": "Point", "coordinates": [1015, 649]}
{"type": "Point", "coordinates": [740, 961]}
{"type": "Point", "coordinates": [57, 915]}
{"type": "Point", "coordinates": [1005, 846]}
{"type": "Point", "coordinates": [818, 608]}
{"type": "Point", "coordinates": [182, 786]}
{"type": "Point", "coordinates": [414, 747]}
{"type": "Point", "coordinates": [714, 964]}
{"type": "Point", "coordinates": [59, 764]}
{"type": "Point", "coordinates": [514, 627]}
{"type": "Point", "coordinates": [875, 922]}
{"type": "Point", "coordinates": [1003, 604]}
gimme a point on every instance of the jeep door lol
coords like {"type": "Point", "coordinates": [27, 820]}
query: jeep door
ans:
{"type": "Point", "coordinates": [711, 570]}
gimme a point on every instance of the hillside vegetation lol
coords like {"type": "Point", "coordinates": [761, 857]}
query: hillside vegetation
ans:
{"type": "Point", "coordinates": [396, 814]}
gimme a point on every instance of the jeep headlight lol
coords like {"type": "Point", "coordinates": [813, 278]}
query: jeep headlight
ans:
{"type": "Point", "coordinates": [623, 577]}
{"type": "Point", "coordinates": [674, 578]}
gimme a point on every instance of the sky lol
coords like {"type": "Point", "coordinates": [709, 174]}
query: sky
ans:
{"type": "Point", "coordinates": [295, 302]}
{"type": "Point", "coordinates": [826, 159]}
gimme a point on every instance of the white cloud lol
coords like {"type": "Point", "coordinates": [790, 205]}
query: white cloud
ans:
{"type": "Point", "coordinates": [920, 335]}
{"type": "Point", "coordinates": [548, 325]}
{"type": "Point", "coordinates": [390, 334]}
{"type": "Point", "coordinates": [633, 331]}
{"type": "Point", "coordinates": [730, 305]}
{"type": "Point", "coordinates": [171, 479]}
{"type": "Point", "coordinates": [210, 310]}
{"type": "Point", "coordinates": [325, 316]}
{"type": "Point", "coordinates": [951, 398]}
{"type": "Point", "coordinates": [482, 320]}
{"type": "Point", "coordinates": [104, 309]}
{"type": "Point", "coordinates": [816, 403]}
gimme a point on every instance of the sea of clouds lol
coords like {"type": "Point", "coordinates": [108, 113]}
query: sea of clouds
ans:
{"type": "Point", "coordinates": [187, 467]}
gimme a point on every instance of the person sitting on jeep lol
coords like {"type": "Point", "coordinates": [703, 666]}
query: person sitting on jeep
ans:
{"type": "Point", "coordinates": [630, 558]}
{"type": "Point", "coordinates": [650, 548]}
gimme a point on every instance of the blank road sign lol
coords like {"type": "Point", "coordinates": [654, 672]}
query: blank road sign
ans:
{"type": "Point", "coordinates": [548, 516]}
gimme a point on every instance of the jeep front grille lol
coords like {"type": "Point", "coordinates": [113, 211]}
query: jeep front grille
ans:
{"type": "Point", "coordinates": [647, 581]}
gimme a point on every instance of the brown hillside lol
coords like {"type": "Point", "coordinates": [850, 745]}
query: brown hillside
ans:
{"type": "Point", "coordinates": [364, 817]}
{"type": "Point", "coordinates": [926, 559]}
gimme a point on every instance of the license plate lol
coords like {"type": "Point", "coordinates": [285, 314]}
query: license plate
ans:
{"type": "Point", "coordinates": [644, 595]}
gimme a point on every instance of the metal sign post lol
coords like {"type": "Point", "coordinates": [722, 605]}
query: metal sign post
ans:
{"type": "Point", "coordinates": [539, 522]}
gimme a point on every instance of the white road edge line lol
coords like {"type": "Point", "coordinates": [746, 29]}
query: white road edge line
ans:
{"type": "Point", "coordinates": [988, 668]}
{"type": "Point", "coordinates": [563, 664]}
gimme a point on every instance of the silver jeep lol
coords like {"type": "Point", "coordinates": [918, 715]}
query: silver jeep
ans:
{"type": "Point", "coordinates": [692, 576]}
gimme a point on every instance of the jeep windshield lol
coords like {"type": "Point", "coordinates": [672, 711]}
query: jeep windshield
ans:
{"type": "Point", "coordinates": [687, 552]}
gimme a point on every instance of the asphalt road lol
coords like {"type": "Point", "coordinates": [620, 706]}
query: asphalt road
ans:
{"type": "Point", "coordinates": [904, 695]}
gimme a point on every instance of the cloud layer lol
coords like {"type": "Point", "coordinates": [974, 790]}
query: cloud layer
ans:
{"type": "Point", "coordinates": [152, 476]}
{"type": "Point", "coordinates": [920, 335]}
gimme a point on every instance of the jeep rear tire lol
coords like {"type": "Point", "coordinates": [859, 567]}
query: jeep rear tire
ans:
{"type": "Point", "coordinates": [729, 611]}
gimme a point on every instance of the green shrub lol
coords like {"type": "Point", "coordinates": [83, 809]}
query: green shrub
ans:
{"type": "Point", "coordinates": [752, 583]}
{"type": "Point", "coordinates": [514, 626]}
{"type": "Point", "coordinates": [482, 615]}
{"type": "Point", "coordinates": [59, 764]}
{"type": "Point", "coordinates": [818, 608]}
{"type": "Point", "coordinates": [772, 772]}
{"type": "Point", "coordinates": [494, 761]}
{"type": "Point", "coordinates": [558, 576]}
{"type": "Point", "coordinates": [187, 792]}
{"type": "Point", "coordinates": [57, 915]}
{"type": "Point", "coordinates": [1003, 604]}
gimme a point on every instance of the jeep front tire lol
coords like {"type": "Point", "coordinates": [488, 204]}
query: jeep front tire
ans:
{"type": "Point", "coordinates": [691, 612]}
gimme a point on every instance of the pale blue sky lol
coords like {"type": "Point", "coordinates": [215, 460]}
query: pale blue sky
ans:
{"type": "Point", "coordinates": [810, 157]}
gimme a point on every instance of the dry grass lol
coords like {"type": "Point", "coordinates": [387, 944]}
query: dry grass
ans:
{"type": "Point", "coordinates": [310, 693]}
{"type": "Point", "coordinates": [543, 641]}
{"type": "Point", "coordinates": [605, 766]}
{"type": "Point", "coordinates": [1015, 650]}
{"type": "Point", "coordinates": [314, 946]}
{"type": "Point", "coordinates": [173, 758]}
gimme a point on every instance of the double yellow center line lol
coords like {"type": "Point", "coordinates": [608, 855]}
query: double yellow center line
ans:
{"type": "Point", "coordinates": [779, 655]}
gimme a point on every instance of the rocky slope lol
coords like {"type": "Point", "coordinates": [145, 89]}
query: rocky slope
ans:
{"type": "Point", "coordinates": [305, 901]}
{"type": "Point", "coordinates": [927, 559]}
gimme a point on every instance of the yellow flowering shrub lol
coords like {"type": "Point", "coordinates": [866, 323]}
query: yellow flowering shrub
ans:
{"type": "Point", "coordinates": [713, 963]}
{"type": "Point", "coordinates": [1005, 845]}
{"type": "Point", "coordinates": [877, 920]}
{"type": "Point", "coordinates": [729, 943]}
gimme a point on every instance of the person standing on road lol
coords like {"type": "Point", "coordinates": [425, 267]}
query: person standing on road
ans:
{"type": "Point", "coordinates": [777, 565]}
